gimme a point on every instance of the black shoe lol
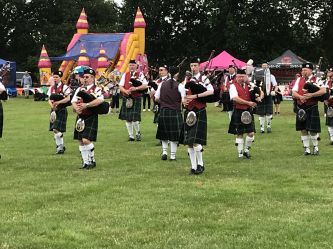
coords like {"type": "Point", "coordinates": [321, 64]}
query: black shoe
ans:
{"type": "Point", "coordinates": [164, 157]}
{"type": "Point", "coordinates": [315, 151]}
{"type": "Point", "coordinates": [85, 166]}
{"type": "Point", "coordinates": [307, 152]}
{"type": "Point", "coordinates": [138, 137]}
{"type": "Point", "coordinates": [192, 172]}
{"type": "Point", "coordinates": [247, 155]}
{"type": "Point", "coordinates": [92, 165]}
{"type": "Point", "coordinates": [331, 143]}
{"type": "Point", "coordinates": [131, 139]}
{"type": "Point", "coordinates": [261, 131]}
{"type": "Point", "coordinates": [269, 130]}
{"type": "Point", "coordinates": [200, 169]}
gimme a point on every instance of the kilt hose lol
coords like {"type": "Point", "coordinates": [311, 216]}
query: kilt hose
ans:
{"type": "Point", "coordinates": [61, 121]}
{"type": "Point", "coordinates": [131, 114]}
{"type": "Point", "coordinates": [90, 129]}
{"type": "Point", "coordinates": [265, 107]}
{"type": "Point", "coordinates": [236, 126]}
{"type": "Point", "coordinates": [1, 119]}
{"type": "Point", "coordinates": [312, 121]}
{"type": "Point", "coordinates": [196, 134]}
{"type": "Point", "coordinates": [170, 124]}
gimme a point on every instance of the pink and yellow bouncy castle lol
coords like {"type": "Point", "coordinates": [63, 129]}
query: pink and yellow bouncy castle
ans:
{"type": "Point", "coordinates": [102, 51]}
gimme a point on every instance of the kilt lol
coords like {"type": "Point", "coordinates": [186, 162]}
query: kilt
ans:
{"type": "Point", "coordinates": [236, 126]}
{"type": "Point", "coordinates": [170, 124]}
{"type": "Point", "coordinates": [90, 129]}
{"type": "Point", "coordinates": [1, 119]}
{"type": "Point", "coordinates": [156, 114]}
{"type": "Point", "coordinates": [131, 114]}
{"type": "Point", "coordinates": [312, 122]}
{"type": "Point", "coordinates": [61, 121]}
{"type": "Point", "coordinates": [265, 107]}
{"type": "Point", "coordinates": [197, 134]}
{"type": "Point", "coordinates": [277, 99]}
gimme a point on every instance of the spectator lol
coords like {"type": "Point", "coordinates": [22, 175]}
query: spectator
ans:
{"type": "Point", "coordinates": [26, 83]}
{"type": "Point", "coordinates": [286, 91]}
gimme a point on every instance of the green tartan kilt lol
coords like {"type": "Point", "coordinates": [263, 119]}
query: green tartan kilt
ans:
{"type": "Point", "coordinates": [265, 107]}
{"type": "Point", "coordinates": [312, 122]}
{"type": "Point", "coordinates": [90, 129]}
{"type": "Point", "coordinates": [236, 126]}
{"type": "Point", "coordinates": [1, 119]}
{"type": "Point", "coordinates": [131, 114]}
{"type": "Point", "coordinates": [197, 134]}
{"type": "Point", "coordinates": [170, 124]}
{"type": "Point", "coordinates": [61, 121]}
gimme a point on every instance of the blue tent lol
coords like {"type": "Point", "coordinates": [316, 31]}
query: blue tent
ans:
{"type": "Point", "coordinates": [11, 80]}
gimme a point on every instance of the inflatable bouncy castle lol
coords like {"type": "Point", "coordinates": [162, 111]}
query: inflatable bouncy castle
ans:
{"type": "Point", "coordinates": [104, 52]}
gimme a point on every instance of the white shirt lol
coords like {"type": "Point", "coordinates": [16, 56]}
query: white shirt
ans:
{"type": "Point", "coordinates": [233, 91]}
{"type": "Point", "coordinates": [65, 89]}
{"type": "Point", "coordinates": [205, 81]}
{"type": "Point", "coordinates": [141, 78]}
{"type": "Point", "coordinates": [181, 90]}
{"type": "Point", "coordinates": [2, 87]}
{"type": "Point", "coordinates": [97, 92]}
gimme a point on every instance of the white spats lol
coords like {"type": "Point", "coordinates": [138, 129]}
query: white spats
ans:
{"type": "Point", "coordinates": [248, 143]}
{"type": "Point", "coordinates": [136, 125]}
{"type": "Point", "coordinates": [59, 139]}
{"type": "Point", "coordinates": [305, 141]}
{"type": "Point", "coordinates": [164, 147]}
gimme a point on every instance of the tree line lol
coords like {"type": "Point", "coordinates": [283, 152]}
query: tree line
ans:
{"type": "Point", "coordinates": [259, 29]}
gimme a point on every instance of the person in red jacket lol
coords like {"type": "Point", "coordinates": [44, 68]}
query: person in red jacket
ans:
{"type": "Point", "coordinates": [242, 120]}
{"type": "Point", "coordinates": [307, 118]}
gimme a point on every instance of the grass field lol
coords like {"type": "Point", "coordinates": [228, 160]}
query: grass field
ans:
{"type": "Point", "coordinates": [132, 199]}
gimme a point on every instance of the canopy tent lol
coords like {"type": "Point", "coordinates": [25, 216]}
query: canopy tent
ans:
{"type": "Point", "coordinates": [92, 44]}
{"type": "Point", "coordinates": [9, 78]}
{"type": "Point", "coordinates": [222, 61]}
{"type": "Point", "coordinates": [287, 60]}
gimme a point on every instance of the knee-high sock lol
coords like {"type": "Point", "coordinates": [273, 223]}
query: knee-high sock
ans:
{"type": "Point", "coordinates": [91, 152]}
{"type": "Point", "coordinates": [248, 142]}
{"type": "Point", "coordinates": [136, 125]}
{"type": "Point", "coordinates": [240, 145]}
{"type": "Point", "coordinates": [198, 153]}
{"type": "Point", "coordinates": [193, 159]}
{"type": "Point", "coordinates": [59, 138]}
{"type": "Point", "coordinates": [330, 132]}
{"type": "Point", "coordinates": [173, 149]}
{"type": "Point", "coordinates": [314, 140]}
{"type": "Point", "coordinates": [84, 154]}
{"type": "Point", "coordinates": [262, 123]}
{"type": "Point", "coordinates": [269, 120]}
{"type": "Point", "coordinates": [165, 147]}
{"type": "Point", "coordinates": [306, 141]}
{"type": "Point", "coordinates": [129, 126]}
{"type": "Point", "coordinates": [229, 114]}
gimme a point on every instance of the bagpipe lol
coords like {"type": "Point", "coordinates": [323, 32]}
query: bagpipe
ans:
{"type": "Point", "coordinates": [197, 88]}
{"type": "Point", "coordinates": [4, 95]}
{"type": "Point", "coordinates": [102, 108]}
{"type": "Point", "coordinates": [57, 97]}
{"type": "Point", "coordinates": [255, 91]}
{"type": "Point", "coordinates": [312, 87]}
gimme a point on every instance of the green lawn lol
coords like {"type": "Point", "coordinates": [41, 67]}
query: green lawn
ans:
{"type": "Point", "coordinates": [132, 199]}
